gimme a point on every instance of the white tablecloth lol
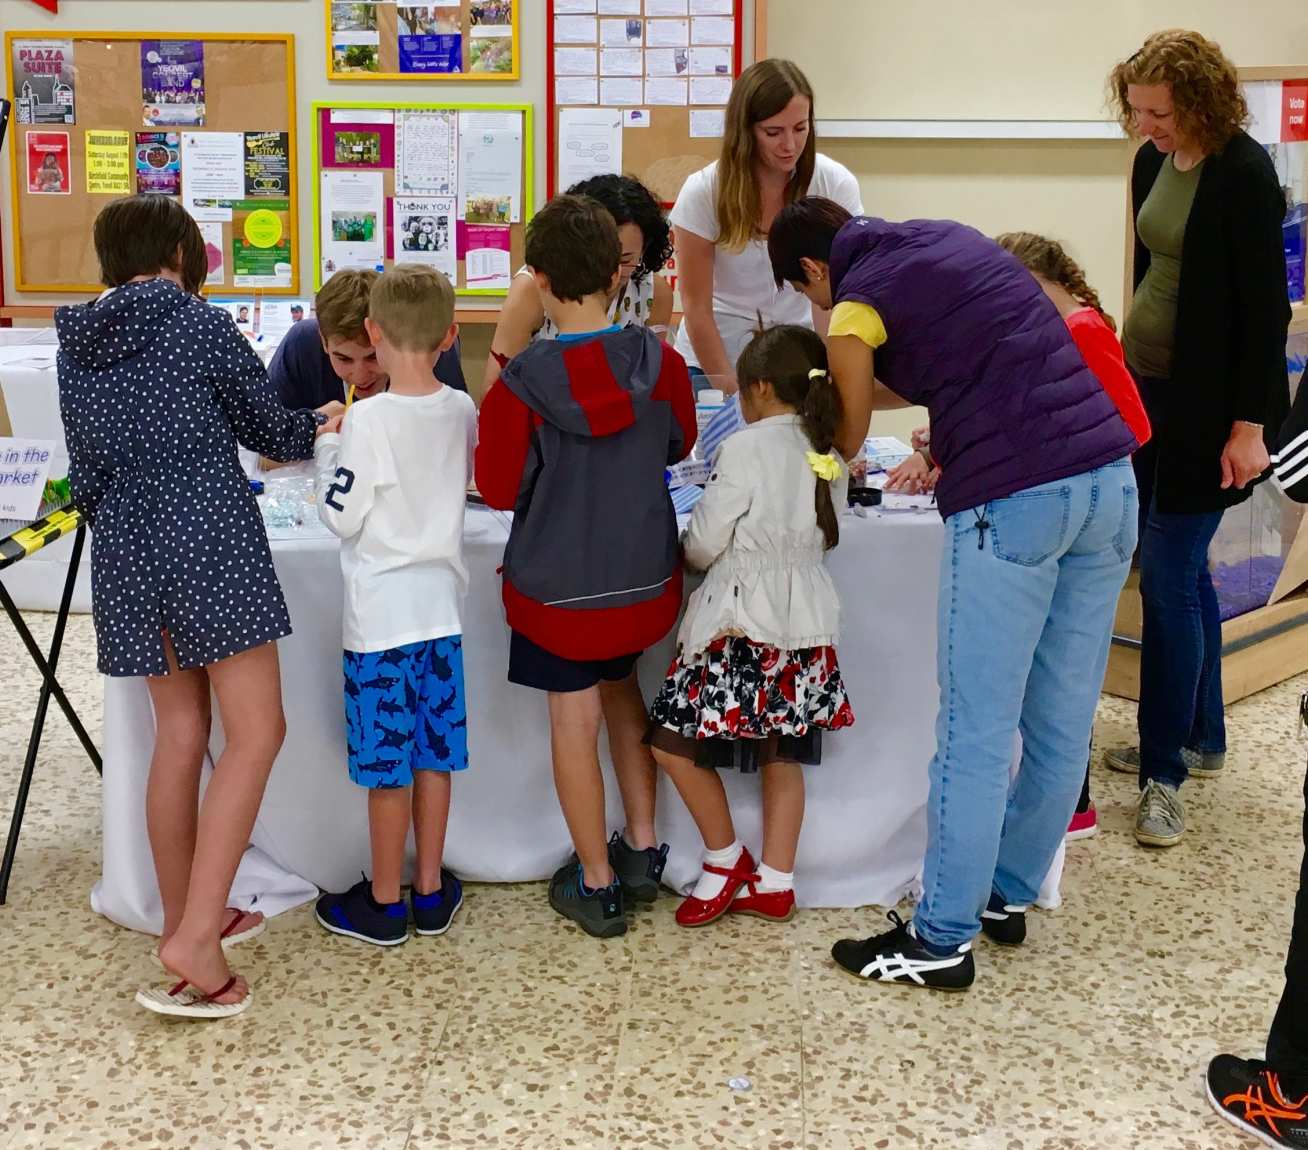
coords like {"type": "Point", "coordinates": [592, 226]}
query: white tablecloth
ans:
{"type": "Point", "coordinates": [864, 829]}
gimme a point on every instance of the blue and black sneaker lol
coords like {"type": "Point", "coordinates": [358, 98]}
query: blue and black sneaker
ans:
{"type": "Point", "coordinates": [597, 912]}
{"type": "Point", "coordinates": [639, 871]}
{"type": "Point", "coordinates": [433, 913]}
{"type": "Point", "coordinates": [356, 914]}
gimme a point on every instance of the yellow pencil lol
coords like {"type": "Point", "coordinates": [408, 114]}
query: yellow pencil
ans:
{"type": "Point", "coordinates": [349, 396]}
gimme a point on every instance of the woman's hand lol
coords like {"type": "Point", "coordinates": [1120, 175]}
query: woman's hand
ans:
{"type": "Point", "coordinates": [913, 477]}
{"type": "Point", "coordinates": [921, 438]}
{"type": "Point", "coordinates": [1245, 456]}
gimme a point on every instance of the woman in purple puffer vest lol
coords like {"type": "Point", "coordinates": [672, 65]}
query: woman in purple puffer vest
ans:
{"type": "Point", "coordinates": [1040, 509]}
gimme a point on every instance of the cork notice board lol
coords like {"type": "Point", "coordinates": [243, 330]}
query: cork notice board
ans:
{"type": "Point", "coordinates": [248, 85]}
{"type": "Point", "coordinates": [640, 65]}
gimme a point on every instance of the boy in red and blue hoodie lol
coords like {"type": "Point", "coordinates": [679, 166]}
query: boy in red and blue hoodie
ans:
{"type": "Point", "coordinates": [574, 437]}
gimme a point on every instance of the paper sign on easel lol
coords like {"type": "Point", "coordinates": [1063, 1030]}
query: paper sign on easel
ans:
{"type": "Point", "coordinates": [24, 467]}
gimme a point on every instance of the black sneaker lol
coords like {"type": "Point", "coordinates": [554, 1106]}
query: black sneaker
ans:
{"type": "Point", "coordinates": [639, 871]}
{"type": "Point", "coordinates": [1252, 1098]}
{"type": "Point", "coordinates": [597, 912]}
{"type": "Point", "coordinates": [356, 914]}
{"type": "Point", "coordinates": [433, 913]}
{"type": "Point", "coordinates": [899, 956]}
{"type": "Point", "coordinates": [1004, 923]}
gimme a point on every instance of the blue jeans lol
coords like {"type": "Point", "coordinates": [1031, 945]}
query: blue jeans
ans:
{"type": "Point", "coordinates": [1025, 617]}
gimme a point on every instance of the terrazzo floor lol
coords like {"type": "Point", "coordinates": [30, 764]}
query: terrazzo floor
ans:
{"type": "Point", "coordinates": [515, 1031]}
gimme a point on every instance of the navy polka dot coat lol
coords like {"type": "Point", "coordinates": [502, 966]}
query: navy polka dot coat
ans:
{"type": "Point", "coordinates": [156, 388]}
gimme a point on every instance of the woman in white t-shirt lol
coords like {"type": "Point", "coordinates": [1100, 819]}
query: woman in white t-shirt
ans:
{"type": "Point", "coordinates": [721, 218]}
{"type": "Point", "coordinates": [642, 296]}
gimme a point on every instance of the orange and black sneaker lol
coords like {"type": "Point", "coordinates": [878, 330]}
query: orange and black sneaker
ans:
{"type": "Point", "coordinates": [1253, 1098]}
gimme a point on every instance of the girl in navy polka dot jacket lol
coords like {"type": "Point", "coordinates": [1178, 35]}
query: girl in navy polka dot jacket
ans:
{"type": "Point", "coordinates": [156, 388]}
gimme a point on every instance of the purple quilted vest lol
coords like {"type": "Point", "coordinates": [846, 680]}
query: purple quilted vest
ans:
{"type": "Point", "coordinates": [974, 339]}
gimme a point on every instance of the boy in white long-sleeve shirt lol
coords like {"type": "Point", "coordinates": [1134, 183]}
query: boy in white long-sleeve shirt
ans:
{"type": "Point", "coordinates": [392, 483]}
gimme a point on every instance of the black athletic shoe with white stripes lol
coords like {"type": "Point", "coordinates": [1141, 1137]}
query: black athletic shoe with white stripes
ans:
{"type": "Point", "coordinates": [1003, 922]}
{"type": "Point", "coordinates": [899, 956]}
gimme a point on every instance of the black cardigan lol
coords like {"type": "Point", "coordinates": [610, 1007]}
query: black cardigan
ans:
{"type": "Point", "coordinates": [1233, 314]}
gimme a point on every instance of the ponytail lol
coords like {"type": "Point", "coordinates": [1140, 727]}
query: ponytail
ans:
{"type": "Point", "coordinates": [820, 412]}
{"type": "Point", "coordinates": [1047, 258]}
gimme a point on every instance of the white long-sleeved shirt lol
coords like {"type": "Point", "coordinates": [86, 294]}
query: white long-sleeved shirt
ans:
{"type": "Point", "coordinates": [393, 485]}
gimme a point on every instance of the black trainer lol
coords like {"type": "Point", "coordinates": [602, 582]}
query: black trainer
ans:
{"type": "Point", "coordinates": [1004, 923]}
{"type": "Point", "coordinates": [433, 913]}
{"type": "Point", "coordinates": [639, 871]}
{"type": "Point", "coordinates": [597, 912]}
{"type": "Point", "coordinates": [356, 914]}
{"type": "Point", "coordinates": [899, 956]}
{"type": "Point", "coordinates": [1254, 1099]}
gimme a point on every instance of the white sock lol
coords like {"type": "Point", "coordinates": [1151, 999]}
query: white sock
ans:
{"type": "Point", "coordinates": [772, 880]}
{"type": "Point", "coordinates": [710, 885]}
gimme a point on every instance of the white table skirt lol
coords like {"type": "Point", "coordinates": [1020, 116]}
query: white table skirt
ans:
{"type": "Point", "coordinates": [864, 829]}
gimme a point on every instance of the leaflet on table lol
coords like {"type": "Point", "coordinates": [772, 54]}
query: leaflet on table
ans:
{"type": "Point", "coordinates": [278, 316]}
{"type": "Point", "coordinates": [172, 82]}
{"type": "Point", "coordinates": [425, 232]}
{"type": "Point", "coordinates": [885, 451]}
{"type": "Point", "coordinates": [215, 251]}
{"type": "Point", "coordinates": [159, 163]}
{"type": "Point", "coordinates": [590, 143]}
{"type": "Point", "coordinates": [43, 82]}
{"type": "Point", "coordinates": [426, 154]}
{"type": "Point", "coordinates": [49, 164]}
{"type": "Point", "coordinates": [108, 163]}
{"type": "Point", "coordinates": [721, 426]}
{"type": "Point", "coordinates": [213, 173]}
{"type": "Point", "coordinates": [490, 167]}
{"type": "Point", "coordinates": [486, 257]}
{"type": "Point", "coordinates": [353, 220]}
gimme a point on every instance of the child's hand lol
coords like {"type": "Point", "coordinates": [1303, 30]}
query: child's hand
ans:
{"type": "Point", "coordinates": [332, 426]}
{"type": "Point", "coordinates": [333, 409]}
{"type": "Point", "coordinates": [921, 438]}
{"type": "Point", "coordinates": [912, 477]}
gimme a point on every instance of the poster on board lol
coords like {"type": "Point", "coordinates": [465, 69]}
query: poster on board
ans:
{"type": "Point", "coordinates": [43, 79]}
{"type": "Point", "coordinates": [49, 164]}
{"type": "Point", "coordinates": [159, 163]}
{"type": "Point", "coordinates": [172, 82]}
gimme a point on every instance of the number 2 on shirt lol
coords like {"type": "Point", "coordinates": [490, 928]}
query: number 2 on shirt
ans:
{"type": "Point", "coordinates": [344, 481]}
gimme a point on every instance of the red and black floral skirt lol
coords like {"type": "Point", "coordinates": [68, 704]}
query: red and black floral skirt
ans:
{"type": "Point", "coordinates": [742, 704]}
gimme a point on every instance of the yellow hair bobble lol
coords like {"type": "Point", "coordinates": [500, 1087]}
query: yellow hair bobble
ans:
{"type": "Point", "coordinates": [824, 466]}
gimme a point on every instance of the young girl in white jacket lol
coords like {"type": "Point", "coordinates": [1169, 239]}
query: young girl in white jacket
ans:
{"type": "Point", "coordinates": [756, 678]}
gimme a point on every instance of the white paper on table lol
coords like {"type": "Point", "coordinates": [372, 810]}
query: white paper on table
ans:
{"type": "Point", "coordinates": [667, 33]}
{"type": "Point", "coordinates": [487, 268]}
{"type": "Point", "coordinates": [576, 90]}
{"type": "Point", "coordinates": [665, 7]}
{"type": "Point", "coordinates": [620, 61]}
{"type": "Point", "coordinates": [424, 232]}
{"type": "Point", "coordinates": [352, 202]}
{"type": "Point", "coordinates": [426, 154]}
{"type": "Point", "coordinates": [574, 62]}
{"type": "Point", "coordinates": [712, 30]}
{"type": "Point", "coordinates": [213, 168]}
{"type": "Point", "coordinates": [663, 90]}
{"type": "Point", "coordinates": [576, 30]}
{"type": "Point", "coordinates": [566, 7]}
{"type": "Point", "coordinates": [622, 90]}
{"type": "Point", "coordinates": [621, 33]}
{"type": "Point", "coordinates": [212, 234]}
{"type": "Point", "coordinates": [666, 61]}
{"type": "Point", "coordinates": [278, 316]}
{"type": "Point", "coordinates": [708, 123]}
{"type": "Point", "coordinates": [590, 144]}
{"type": "Point", "coordinates": [490, 159]}
{"type": "Point", "coordinates": [710, 61]}
{"type": "Point", "coordinates": [619, 7]}
{"type": "Point", "coordinates": [711, 8]}
{"type": "Point", "coordinates": [362, 116]}
{"type": "Point", "coordinates": [710, 89]}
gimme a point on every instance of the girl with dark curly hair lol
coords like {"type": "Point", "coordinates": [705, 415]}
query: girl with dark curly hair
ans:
{"type": "Point", "coordinates": [1205, 339]}
{"type": "Point", "coordinates": [642, 296]}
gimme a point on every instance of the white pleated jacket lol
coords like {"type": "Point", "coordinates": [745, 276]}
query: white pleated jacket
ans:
{"type": "Point", "coordinates": [756, 535]}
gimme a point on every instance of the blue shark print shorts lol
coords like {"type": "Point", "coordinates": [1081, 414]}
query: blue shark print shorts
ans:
{"type": "Point", "coordinates": [405, 712]}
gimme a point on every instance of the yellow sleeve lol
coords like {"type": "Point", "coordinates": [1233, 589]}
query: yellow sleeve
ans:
{"type": "Point", "coordinates": [859, 319]}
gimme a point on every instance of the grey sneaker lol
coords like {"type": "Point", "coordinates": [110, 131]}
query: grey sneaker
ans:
{"type": "Point", "coordinates": [1160, 818]}
{"type": "Point", "coordinates": [640, 872]}
{"type": "Point", "coordinates": [1201, 764]}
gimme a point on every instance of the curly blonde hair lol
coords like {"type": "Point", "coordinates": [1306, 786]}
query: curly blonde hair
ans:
{"type": "Point", "coordinates": [1049, 259]}
{"type": "Point", "coordinates": [1210, 107]}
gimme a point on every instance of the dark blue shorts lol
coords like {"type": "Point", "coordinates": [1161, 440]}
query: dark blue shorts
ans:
{"type": "Point", "coordinates": [533, 666]}
{"type": "Point", "coordinates": [405, 712]}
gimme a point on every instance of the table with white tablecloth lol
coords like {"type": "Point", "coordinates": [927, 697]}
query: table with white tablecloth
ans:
{"type": "Point", "coordinates": [864, 829]}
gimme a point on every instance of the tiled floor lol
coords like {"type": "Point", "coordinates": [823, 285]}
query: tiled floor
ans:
{"type": "Point", "coordinates": [517, 1032]}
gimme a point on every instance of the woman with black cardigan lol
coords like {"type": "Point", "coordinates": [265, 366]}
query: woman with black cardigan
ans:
{"type": "Point", "coordinates": [1205, 338]}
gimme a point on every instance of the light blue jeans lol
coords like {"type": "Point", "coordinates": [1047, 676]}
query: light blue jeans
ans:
{"type": "Point", "coordinates": [1028, 589]}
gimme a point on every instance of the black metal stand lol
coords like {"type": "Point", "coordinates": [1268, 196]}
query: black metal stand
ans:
{"type": "Point", "coordinates": [48, 665]}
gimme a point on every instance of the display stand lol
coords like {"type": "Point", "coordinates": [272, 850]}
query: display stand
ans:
{"type": "Point", "coordinates": [20, 540]}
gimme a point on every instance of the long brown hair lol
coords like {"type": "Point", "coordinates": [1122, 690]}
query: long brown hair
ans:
{"type": "Point", "coordinates": [794, 360]}
{"type": "Point", "coordinates": [1048, 259]}
{"type": "Point", "coordinates": [1210, 106]}
{"type": "Point", "coordinates": [763, 90]}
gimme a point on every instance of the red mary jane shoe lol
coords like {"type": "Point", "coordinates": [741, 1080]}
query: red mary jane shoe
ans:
{"type": "Point", "coordinates": [775, 905]}
{"type": "Point", "coordinates": [699, 911]}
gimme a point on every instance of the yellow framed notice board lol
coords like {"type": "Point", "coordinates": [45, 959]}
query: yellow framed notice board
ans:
{"type": "Point", "coordinates": [443, 184]}
{"type": "Point", "coordinates": [208, 118]}
{"type": "Point", "coordinates": [453, 40]}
